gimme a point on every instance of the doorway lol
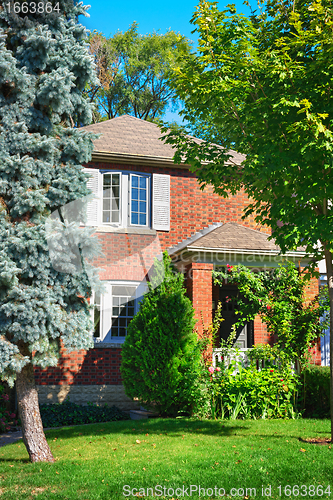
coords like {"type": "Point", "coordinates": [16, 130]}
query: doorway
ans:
{"type": "Point", "coordinates": [244, 334]}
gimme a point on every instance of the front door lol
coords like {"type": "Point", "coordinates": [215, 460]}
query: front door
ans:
{"type": "Point", "coordinates": [244, 334]}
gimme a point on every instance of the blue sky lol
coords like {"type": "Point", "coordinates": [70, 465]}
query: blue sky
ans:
{"type": "Point", "coordinates": [108, 17]}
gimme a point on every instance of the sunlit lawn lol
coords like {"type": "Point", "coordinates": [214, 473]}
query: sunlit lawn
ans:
{"type": "Point", "coordinates": [97, 461]}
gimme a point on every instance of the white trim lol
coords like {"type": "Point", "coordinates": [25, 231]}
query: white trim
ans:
{"type": "Point", "coordinates": [112, 224]}
{"type": "Point", "coordinates": [106, 309]}
{"type": "Point", "coordinates": [147, 177]}
{"type": "Point", "coordinates": [241, 251]}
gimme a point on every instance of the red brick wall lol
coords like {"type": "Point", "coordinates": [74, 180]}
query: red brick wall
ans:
{"type": "Point", "coordinates": [200, 285]}
{"type": "Point", "coordinates": [94, 367]}
{"type": "Point", "coordinates": [129, 257]}
{"type": "Point", "coordinates": [190, 208]}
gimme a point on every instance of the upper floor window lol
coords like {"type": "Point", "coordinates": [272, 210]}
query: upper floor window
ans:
{"type": "Point", "coordinates": [111, 198]}
{"type": "Point", "coordinates": [124, 199]}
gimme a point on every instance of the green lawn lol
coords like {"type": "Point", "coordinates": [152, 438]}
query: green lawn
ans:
{"type": "Point", "coordinates": [97, 461]}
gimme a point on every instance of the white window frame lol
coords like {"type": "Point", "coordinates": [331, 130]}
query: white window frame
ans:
{"type": "Point", "coordinates": [106, 308]}
{"type": "Point", "coordinates": [101, 214]}
{"type": "Point", "coordinates": [148, 189]}
{"type": "Point", "coordinates": [158, 200]}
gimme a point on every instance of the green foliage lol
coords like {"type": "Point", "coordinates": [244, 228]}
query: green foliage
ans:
{"type": "Point", "coordinates": [133, 72]}
{"type": "Point", "coordinates": [67, 413]}
{"type": "Point", "coordinates": [44, 66]}
{"type": "Point", "coordinates": [279, 298]}
{"type": "Point", "coordinates": [250, 393]}
{"type": "Point", "coordinates": [315, 391]}
{"type": "Point", "coordinates": [161, 355]}
{"type": "Point", "coordinates": [261, 85]}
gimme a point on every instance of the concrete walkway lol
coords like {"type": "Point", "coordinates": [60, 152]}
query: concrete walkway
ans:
{"type": "Point", "coordinates": [10, 437]}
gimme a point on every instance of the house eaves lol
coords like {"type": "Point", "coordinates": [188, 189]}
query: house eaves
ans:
{"type": "Point", "coordinates": [133, 159]}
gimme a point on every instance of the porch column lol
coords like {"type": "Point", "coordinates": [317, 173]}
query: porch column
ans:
{"type": "Point", "coordinates": [199, 288]}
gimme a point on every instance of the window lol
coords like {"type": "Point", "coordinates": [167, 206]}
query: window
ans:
{"type": "Point", "coordinates": [128, 199]}
{"type": "Point", "coordinates": [139, 200]}
{"type": "Point", "coordinates": [122, 309]}
{"type": "Point", "coordinates": [113, 311]}
{"type": "Point", "coordinates": [111, 198]}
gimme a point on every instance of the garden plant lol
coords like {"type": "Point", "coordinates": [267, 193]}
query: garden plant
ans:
{"type": "Point", "coordinates": [161, 356]}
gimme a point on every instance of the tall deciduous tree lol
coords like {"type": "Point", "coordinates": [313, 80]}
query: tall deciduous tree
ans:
{"type": "Point", "coordinates": [133, 72]}
{"type": "Point", "coordinates": [44, 66]}
{"type": "Point", "coordinates": [263, 86]}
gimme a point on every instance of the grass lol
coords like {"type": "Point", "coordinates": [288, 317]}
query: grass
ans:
{"type": "Point", "coordinates": [96, 461]}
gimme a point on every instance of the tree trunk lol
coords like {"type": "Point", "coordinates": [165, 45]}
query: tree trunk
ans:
{"type": "Point", "coordinates": [32, 427]}
{"type": "Point", "coordinates": [329, 270]}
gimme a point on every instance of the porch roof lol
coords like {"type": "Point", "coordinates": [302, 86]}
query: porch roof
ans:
{"type": "Point", "coordinates": [232, 238]}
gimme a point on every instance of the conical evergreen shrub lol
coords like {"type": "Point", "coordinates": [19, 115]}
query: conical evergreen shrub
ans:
{"type": "Point", "coordinates": [161, 356]}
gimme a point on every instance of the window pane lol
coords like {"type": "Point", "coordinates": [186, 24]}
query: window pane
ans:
{"type": "Point", "coordinates": [135, 206]}
{"type": "Point", "coordinates": [143, 194]}
{"type": "Point", "coordinates": [135, 194]}
{"type": "Point", "coordinates": [106, 180]}
{"type": "Point", "coordinates": [142, 206]}
{"type": "Point", "coordinates": [135, 181]}
{"type": "Point", "coordinates": [122, 311]}
{"type": "Point", "coordinates": [143, 181]}
{"type": "Point", "coordinates": [115, 216]}
{"type": "Point", "coordinates": [115, 179]}
{"type": "Point", "coordinates": [134, 218]}
{"type": "Point", "coordinates": [106, 216]}
{"type": "Point", "coordinates": [115, 191]}
{"type": "Point", "coordinates": [115, 204]}
{"type": "Point", "coordinates": [114, 332]}
{"type": "Point", "coordinates": [106, 204]}
{"type": "Point", "coordinates": [142, 219]}
{"type": "Point", "coordinates": [115, 311]}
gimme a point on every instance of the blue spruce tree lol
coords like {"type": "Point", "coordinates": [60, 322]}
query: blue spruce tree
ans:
{"type": "Point", "coordinates": [44, 67]}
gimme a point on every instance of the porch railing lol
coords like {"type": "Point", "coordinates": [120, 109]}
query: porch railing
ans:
{"type": "Point", "coordinates": [242, 357]}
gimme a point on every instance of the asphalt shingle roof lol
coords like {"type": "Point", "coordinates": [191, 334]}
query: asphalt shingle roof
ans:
{"type": "Point", "coordinates": [233, 236]}
{"type": "Point", "coordinates": [127, 135]}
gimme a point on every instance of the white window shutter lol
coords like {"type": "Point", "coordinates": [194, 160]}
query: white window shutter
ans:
{"type": "Point", "coordinates": [161, 202]}
{"type": "Point", "coordinates": [93, 207]}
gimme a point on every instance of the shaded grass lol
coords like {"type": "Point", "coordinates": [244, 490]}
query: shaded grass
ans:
{"type": "Point", "coordinates": [96, 461]}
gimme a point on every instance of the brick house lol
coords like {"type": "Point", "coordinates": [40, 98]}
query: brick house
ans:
{"type": "Point", "coordinates": [144, 204]}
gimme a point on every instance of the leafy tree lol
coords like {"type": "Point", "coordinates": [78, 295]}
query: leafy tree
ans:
{"type": "Point", "coordinates": [279, 298]}
{"type": "Point", "coordinates": [133, 73]}
{"type": "Point", "coordinates": [44, 66]}
{"type": "Point", "coordinates": [263, 86]}
{"type": "Point", "coordinates": [161, 355]}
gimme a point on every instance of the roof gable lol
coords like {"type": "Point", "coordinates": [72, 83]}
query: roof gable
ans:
{"type": "Point", "coordinates": [127, 136]}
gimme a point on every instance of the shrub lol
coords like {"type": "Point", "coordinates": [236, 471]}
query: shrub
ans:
{"type": "Point", "coordinates": [315, 392]}
{"type": "Point", "coordinates": [279, 298]}
{"type": "Point", "coordinates": [6, 417]}
{"type": "Point", "coordinates": [161, 356]}
{"type": "Point", "coordinates": [268, 393]}
{"type": "Point", "coordinates": [67, 413]}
